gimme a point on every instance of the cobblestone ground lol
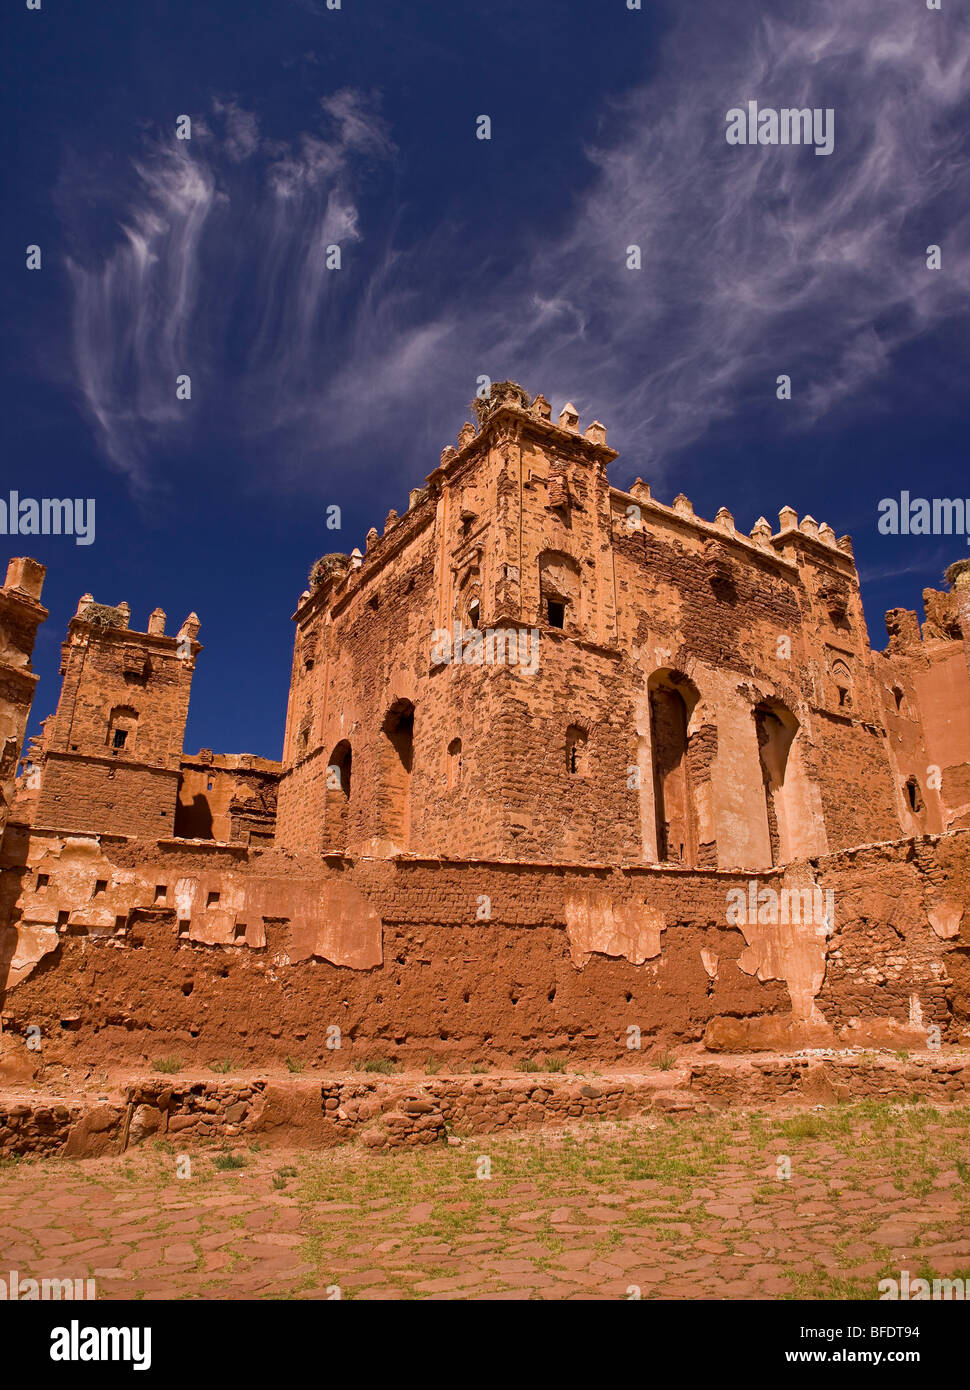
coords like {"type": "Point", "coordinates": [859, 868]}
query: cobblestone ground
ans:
{"type": "Point", "coordinates": [677, 1207]}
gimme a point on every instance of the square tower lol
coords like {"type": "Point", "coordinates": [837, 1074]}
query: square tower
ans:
{"type": "Point", "coordinates": [21, 614]}
{"type": "Point", "coordinates": [110, 756]}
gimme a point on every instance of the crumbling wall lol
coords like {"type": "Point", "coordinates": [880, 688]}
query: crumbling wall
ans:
{"type": "Point", "coordinates": [227, 797]}
{"type": "Point", "coordinates": [21, 614]}
{"type": "Point", "coordinates": [208, 953]}
{"type": "Point", "coordinates": [924, 682]}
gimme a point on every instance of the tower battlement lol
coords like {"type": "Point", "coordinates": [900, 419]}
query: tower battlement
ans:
{"type": "Point", "coordinates": [110, 755]}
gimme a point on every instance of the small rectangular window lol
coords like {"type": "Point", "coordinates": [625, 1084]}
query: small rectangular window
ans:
{"type": "Point", "coordinates": [43, 880]}
{"type": "Point", "coordinates": [212, 899]}
{"type": "Point", "coordinates": [119, 738]}
{"type": "Point", "coordinates": [556, 613]}
{"type": "Point", "coordinates": [100, 887]}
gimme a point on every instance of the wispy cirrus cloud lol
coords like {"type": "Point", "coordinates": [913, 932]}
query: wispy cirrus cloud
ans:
{"type": "Point", "coordinates": [218, 272]}
{"type": "Point", "coordinates": [759, 261]}
{"type": "Point", "coordinates": [756, 261]}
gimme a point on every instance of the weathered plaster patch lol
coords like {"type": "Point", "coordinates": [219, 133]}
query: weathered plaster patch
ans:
{"type": "Point", "coordinates": [95, 920]}
{"type": "Point", "coordinates": [791, 951]}
{"type": "Point", "coordinates": [594, 923]}
{"type": "Point", "coordinates": [346, 930]}
{"type": "Point", "coordinates": [33, 942]}
{"type": "Point", "coordinates": [945, 919]}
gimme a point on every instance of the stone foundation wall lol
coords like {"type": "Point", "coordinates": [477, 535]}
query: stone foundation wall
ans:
{"type": "Point", "coordinates": [407, 1112]}
{"type": "Point", "coordinates": [833, 1079]}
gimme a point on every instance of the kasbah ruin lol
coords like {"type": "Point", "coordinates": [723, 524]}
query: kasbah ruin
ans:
{"type": "Point", "coordinates": [707, 816]}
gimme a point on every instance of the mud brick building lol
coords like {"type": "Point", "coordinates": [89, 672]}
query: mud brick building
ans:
{"type": "Point", "coordinates": [538, 732]}
{"type": "Point", "coordinates": [922, 676]}
{"type": "Point", "coordinates": [703, 697]}
{"type": "Point", "coordinates": [21, 614]}
{"type": "Point", "coordinates": [110, 755]}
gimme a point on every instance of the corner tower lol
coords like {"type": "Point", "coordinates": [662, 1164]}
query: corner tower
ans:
{"type": "Point", "coordinates": [397, 741]}
{"type": "Point", "coordinates": [21, 614]}
{"type": "Point", "coordinates": [110, 756]}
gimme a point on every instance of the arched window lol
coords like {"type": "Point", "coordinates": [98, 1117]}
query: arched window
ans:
{"type": "Point", "coordinates": [913, 798]}
{"type": "Point", "coordinates": [122, 727]}
{"type": "Point", "coordinates": [776, 729]}
{"type": "Point", "coordinates": [468, 599]}
{"type": "Point", "coordinates": [843, 683]}
{"type": "Point", "coordinates": [397, 758]}
{"type": "Point", "coordinates": [559, 589]}
{"type": "Point", "coordinates": [672, 699]}
{"type": "Point", "coordinates": [338, 795]}
{"type": "Point", "coordinates": [338, 769]}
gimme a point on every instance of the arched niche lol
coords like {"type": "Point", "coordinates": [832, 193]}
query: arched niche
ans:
{"type": "Point", "coordinates": [672, 698]}
{"type": "Point", "coordinates": [791, 803]}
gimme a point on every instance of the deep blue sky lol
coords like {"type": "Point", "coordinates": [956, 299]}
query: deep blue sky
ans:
{"type": "Point", "coordinates": [463, 257]}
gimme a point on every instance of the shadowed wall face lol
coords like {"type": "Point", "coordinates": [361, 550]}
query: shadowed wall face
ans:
{"type": "Point", "coordinates": [774, 742]}
{"type": "Point", "coordinates": [396, 764]}
{"type": "Point", "coordinates": [675, 833]}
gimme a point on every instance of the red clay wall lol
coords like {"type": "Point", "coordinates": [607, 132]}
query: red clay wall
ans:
{"type": "Point", "coordinates": [116, 679]}
{"type": "Point", "coordinates": [220, 796]}
{"type": "Point", "coordinates": [925, 686]}
{"type": "Point", "coordinates": [112, 796]}
{"type": "Point", "coordinates": [21, 614]}
{"type": "Point", "coordinates": [461, 959]}
{"type": "Point", "coordinates": [521, 512]}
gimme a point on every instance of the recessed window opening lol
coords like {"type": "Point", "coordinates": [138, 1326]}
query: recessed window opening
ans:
{"type": "Point", "coordinates": [337, 798]}
{"type": "Point", "coordinates": [122, 724]}
{"type": "Point", "coordinates": [576, 739]}
{"type": "Point", "coordinates": [396, 762]}
{"type": "Point", "coordinates": [454, 762]}
{"type": "Point", "coordinates": [843, 683]}
{"type": "Point", "coordinates": [556, 612]}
